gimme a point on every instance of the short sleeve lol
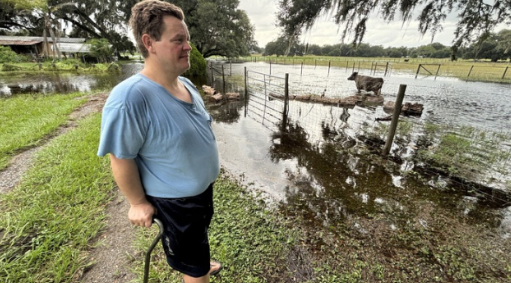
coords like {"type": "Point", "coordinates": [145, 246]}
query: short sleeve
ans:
{"type": "Point", "coordinates": [122, 131]}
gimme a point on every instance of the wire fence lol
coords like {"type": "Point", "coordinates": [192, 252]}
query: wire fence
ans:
{"type": "Point", "coordinates": [262, 105]}
{"type": "Point", "coordinates": [484, 151]}
{"type": "Point", "coordinates": [468, 70]}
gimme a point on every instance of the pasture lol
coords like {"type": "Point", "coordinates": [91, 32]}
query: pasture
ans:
{"type": "Point", "coordinates": [470, 70]}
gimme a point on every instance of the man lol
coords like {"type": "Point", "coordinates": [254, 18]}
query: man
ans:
{"type": "Point", "coordinates": [163, 152]}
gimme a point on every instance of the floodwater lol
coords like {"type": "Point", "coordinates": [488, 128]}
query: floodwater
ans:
{"type": "Point", "coordinates": [318, 164]}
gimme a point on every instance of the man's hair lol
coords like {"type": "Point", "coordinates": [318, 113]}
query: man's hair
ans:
{"type": "Point", "coordinates": [147, 18]}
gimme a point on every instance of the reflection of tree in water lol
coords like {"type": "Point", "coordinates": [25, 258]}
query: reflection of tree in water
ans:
{"type": "Point", "coordinates": [331, 182]}
{"type": "Point", "coordinates": [228, 112]}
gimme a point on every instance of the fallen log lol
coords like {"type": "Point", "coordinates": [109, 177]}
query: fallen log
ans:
{"type": "Point", "coordinates": [208, 90]}
{"type": "Point", "coordinates": [407, 108]}
{"type": "Point", "coordinates": [232, 96]}
{"type": "Point", "coordinates": [215, 98]}
{"type": "Point", "coordinates": [349, 101]}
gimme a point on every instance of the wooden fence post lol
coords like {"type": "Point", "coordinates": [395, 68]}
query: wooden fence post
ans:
{"type": "Point", "coordinates": [395, 119]}
{"type": "Point", "coordinates": [246, 92]}
{"type": "Point", "coordinates": [505, 71]}
{"type": "Point", "coordinates": [437, 70]}
{"type": "Point", "coordinates": [470, 71]}
{"type": "Point", "coordinates": [223, 80]}
{"type": "Point", "coordinates": [212, 74]}
{"type": "Point", "coordinates": [329, 67]}
{"type": "Point", "coordinates": [386, 69]}
{"type": "Point", "coordinates": [286, 102]}
{"type": "Point", "coordinates": [418, 68]}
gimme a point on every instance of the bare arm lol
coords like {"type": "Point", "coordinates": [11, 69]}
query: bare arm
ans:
{"type": "Point", "coordinates": [127, 177]}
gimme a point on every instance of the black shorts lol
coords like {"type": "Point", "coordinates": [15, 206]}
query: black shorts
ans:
{"type": "Point", "coordinates": [185, 237]}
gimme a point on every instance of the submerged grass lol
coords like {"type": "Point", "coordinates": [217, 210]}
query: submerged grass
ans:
{"type": "Point", "coordinates": [465, 151]}
{"type": "Point", "coordinates": [49, 220]}
{"type": "Point", "coordinates": [26, 119]}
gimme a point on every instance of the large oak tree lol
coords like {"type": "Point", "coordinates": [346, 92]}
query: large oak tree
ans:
{"type": "Point", "coordinates": [217, 27]}
{"type": "Point", "coordinates": [475, 17]}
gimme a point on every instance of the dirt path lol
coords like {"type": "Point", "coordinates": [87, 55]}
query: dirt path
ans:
{"type": "Point", "coordinates": [112, 252]}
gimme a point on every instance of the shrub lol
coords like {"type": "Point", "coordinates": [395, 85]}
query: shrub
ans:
{"type": "Point", "coordinates": [101, 49]}
{"type": "Point", "coordinates": [7, 55]}
{"type": "Point", "coordinates": [197, 64]}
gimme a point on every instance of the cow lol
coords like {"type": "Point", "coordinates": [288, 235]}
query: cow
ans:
{"type": "Point", "coordinates": [367, 83]}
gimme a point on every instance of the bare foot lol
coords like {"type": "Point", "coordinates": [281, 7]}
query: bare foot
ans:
{"type": "Point", "coordinates": [215, 267]}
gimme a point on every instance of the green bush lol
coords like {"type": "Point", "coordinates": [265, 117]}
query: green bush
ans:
{"type": "Point", "coordinates": [197, 64]}
{"type": "Point", "coordinates": [101, 49]}
{"type": "Point", "coordinates": [8, 56]}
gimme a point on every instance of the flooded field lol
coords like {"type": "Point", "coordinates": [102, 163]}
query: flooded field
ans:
{"type": "Point", "coordinates": [323, 169]}
{"type": "Point", "coordinates": [319, 164]}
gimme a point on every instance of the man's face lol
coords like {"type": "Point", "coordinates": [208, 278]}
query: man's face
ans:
{"type": "Point", "coordinates": [173, 49]}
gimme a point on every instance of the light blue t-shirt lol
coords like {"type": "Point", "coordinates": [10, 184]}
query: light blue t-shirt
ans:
{"type": "Point", "coordinates": [171, 140]}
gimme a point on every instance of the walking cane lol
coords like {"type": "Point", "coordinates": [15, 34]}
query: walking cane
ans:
{"type": "Point", "coordinates": [148, 253]}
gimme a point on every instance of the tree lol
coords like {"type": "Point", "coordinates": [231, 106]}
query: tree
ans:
{"type": "Point", "coordinates": [504, 43]}
{"type": "Point", "coordinates": [475, 17]}
{"type": "Point", "coordinates": [313, 49]}
{"type": "Point", "coordinates": [218, 27]}
{"type": "Point", "coordinates": [49, 23]}
{"type": "Point", "coordinates": [280, 47]}
{"type": "Point", "coordinates": [490, 46]}
{"type": "Point", "coordinates": [82, 18]}
{"type": "Point", "coordinates": [277, 47]}
{"type": "Point", "coordinates": [99, 19]}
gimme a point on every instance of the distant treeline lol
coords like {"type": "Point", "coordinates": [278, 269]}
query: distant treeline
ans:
{"type": "Point", "coordinates": [492, 46]}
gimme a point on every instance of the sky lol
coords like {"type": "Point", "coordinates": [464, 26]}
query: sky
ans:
{"type": "Point", "coordinates": [262, 14]}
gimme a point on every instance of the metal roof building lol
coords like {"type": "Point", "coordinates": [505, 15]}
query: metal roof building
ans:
{"type": "Point", "coordinates": [29, 40]}
{"type": "Point", "coordinates": [35, 44]}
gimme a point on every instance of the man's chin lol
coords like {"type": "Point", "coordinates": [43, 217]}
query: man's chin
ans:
{"type": "Point", "coordinates": [185, 68]}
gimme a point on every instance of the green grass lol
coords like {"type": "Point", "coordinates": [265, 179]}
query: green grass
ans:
{"type": "Point", "coordinates": [465, 151]}
{"type": "Point", "coordinates": [250, 240]}
{"type": "Point", "coordinates": [25, 120]}
{"type": "Point", "coordinates": [48, 222]}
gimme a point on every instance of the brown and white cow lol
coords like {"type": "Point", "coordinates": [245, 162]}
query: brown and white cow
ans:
{"type": "Point", "coordinates": [367, 83]}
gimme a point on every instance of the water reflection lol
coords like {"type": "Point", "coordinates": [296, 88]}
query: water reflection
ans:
{"type": "Point", "coordinates": [332, 183]}
{"type": "Point", "coordinates": [63, 82]}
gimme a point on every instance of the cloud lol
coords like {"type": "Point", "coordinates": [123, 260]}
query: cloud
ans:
{"type": "Point", "coordinates": [262, 14]}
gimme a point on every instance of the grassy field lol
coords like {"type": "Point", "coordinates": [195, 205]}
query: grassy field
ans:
{"type": "Point", "coordinates": [462, 69]}
{"type": "Point", "coordinates": [27, 119]}
{"type": "Point", "coordinates": [49, 223]}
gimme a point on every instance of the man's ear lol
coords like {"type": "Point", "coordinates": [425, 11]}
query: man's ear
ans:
{"type": "Point", "coordinates": [148, 42]}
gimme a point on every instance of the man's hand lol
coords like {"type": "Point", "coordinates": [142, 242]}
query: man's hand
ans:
{"type": "Point", "coordinates": [141, 214]}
